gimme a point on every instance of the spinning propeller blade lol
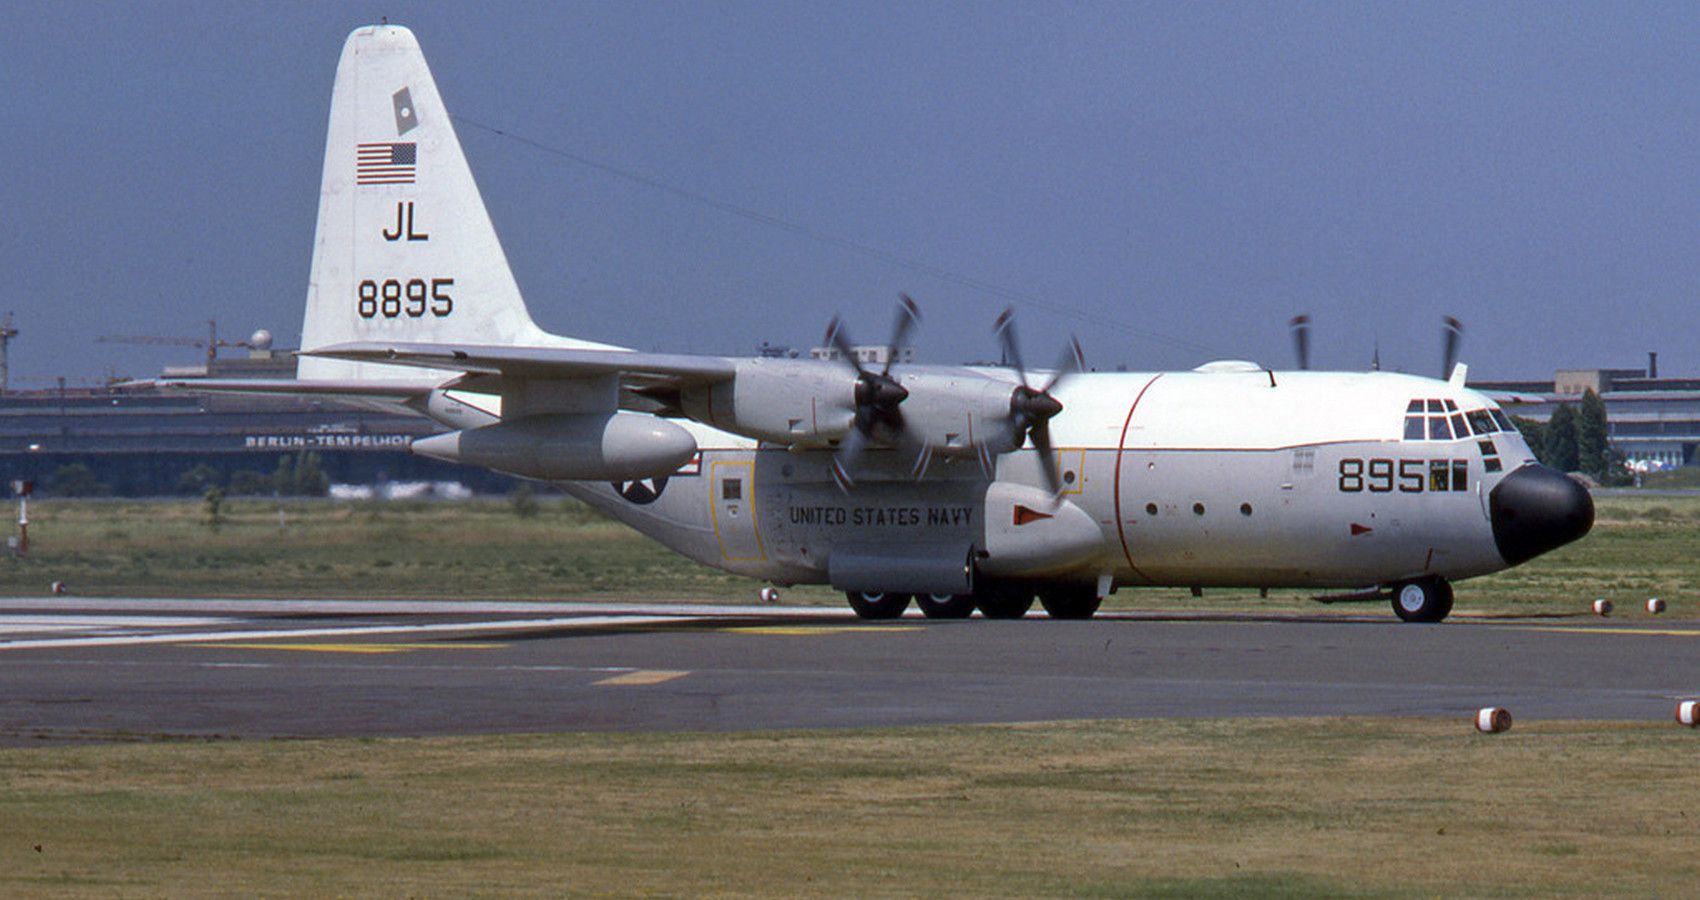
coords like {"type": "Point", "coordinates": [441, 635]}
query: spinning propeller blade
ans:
{"type": "Point", "coordinates": [878, 396]}
{"type": "Point", "coordinates": [1300, 326]}
{"type": "Point", "coordinates": [1452, 332]}
{"type": "Point", "coordinates": [1031, 409]}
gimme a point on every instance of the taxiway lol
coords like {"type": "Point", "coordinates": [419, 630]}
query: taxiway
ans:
{"type": "Point", "coordinates": [98, 669]}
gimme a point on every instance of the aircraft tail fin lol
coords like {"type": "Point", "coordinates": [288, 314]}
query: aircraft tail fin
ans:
{"type": "Point", "coordinates": [404, 249]}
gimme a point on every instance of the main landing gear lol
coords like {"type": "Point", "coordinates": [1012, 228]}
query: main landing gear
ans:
{"type": "Point", "coordinates": [994, 600]}
{"type": "Point", "coordinates": [1422, 599]}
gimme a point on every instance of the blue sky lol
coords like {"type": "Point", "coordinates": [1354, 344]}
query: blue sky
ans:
{"type": "Point", "coordinates": [1170, 181]}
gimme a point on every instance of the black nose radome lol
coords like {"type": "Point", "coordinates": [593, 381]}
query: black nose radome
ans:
{"type": "Point", "coordinates": [1536, 509]}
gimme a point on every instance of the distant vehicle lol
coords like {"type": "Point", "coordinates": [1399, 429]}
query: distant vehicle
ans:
{"type": "Point", "coordinates": [957, 488]}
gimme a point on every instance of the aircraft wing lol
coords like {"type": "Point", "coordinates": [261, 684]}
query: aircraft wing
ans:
{"type": "Point", "coordinates": [373, 390]}
{"type": "Point", "coordinates": [389, 396]}
{"type": "Point", "coordinates": [636, 370]}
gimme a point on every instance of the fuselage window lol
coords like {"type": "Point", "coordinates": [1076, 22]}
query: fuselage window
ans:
{"type": "Point", "coordinates": [1435, 407]}
{"type": "Point", "coordinates": [1503, 420]}
{"type": "Point", "coordinates": [1451, 407]}
{"type": "Point", "coordinates": [732, 489]}
{"type": "Point", "coordinates": [1439, 471]}
{"type": "Point", "coordinates": [1414, 428]}
{"type": "Point", "coordinates": [1460, 475]}
{"type": "Point", "coordinates": [1438, 430]}
{"type": "Point", "coordinates": [1415, 406]}
{"type": "Point", "coordinates": [1481, 422]}
{"type": "Point", "coordinates": [1458, 427]}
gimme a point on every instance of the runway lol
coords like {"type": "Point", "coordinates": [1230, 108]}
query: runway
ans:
{"type": "Point", "coordinates": [97, 669]}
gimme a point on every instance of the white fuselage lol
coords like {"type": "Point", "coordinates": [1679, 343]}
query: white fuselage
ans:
{"type": "Point", "coordinates": [1206, 478]}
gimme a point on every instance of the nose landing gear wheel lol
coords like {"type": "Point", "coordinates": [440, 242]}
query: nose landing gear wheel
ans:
{"type": "Point", "coordinates": [945, 606]}
{"type": "Point", "coordinates": [878, 604]}
{"type": "Point", "coordinates": [1422, 599]}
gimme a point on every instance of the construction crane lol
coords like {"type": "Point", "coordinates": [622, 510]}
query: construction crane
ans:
{"type": "Point", "coordinates": [211, 341]}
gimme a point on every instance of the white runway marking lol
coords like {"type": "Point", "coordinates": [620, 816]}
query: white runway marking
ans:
{"type": "Point", "coordinates": [260, 634]}
{"type": "Point", "coordinates": [24, 624]}
{"type": "Point", "coordinates": [134, 605]}
{"type": "Point", "coordinates": [63, 622]}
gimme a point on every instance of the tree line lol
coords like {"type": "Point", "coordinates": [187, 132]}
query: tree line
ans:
{"type": "Point", "coordinates": [297, 475]}
{"type": "Point", "coordinates": [1577, 439]}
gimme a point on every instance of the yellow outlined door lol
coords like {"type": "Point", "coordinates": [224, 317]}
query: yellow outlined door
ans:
{"type": "Point", "coordinates": [733, 508]}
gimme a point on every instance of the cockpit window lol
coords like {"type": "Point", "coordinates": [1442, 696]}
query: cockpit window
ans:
{"type": "Point", "coordinates": [1438, 419]}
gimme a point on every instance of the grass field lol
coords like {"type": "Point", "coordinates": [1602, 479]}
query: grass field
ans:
{"type": "Point", "coordinates": [1364, 807]}
{"type": "Point", "coordinates": [1640, 547]}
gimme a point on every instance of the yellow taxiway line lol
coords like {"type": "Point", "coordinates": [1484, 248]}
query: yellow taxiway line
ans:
{"type": "Point", "coordinates": [641, 677]}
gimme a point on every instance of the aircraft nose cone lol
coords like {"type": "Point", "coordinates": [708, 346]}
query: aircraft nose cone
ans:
{"type": "Point", "coordinates": [1536, 509]}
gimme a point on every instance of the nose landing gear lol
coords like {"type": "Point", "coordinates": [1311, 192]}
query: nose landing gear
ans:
{"type": "Point", "coordinates": [1422, 599]}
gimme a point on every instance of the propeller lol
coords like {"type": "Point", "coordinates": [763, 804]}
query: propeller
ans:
{"type": "Point", "coordinates": [878, 396]}
{"type": "Point", "coordinates": [1031, 409]}
{"type": "Point", "coordinates": [1301, 339]}
{"type": "Point", "coordinates": [1452, 331]}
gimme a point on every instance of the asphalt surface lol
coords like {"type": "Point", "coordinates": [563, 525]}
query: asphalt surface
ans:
{"type": "Point", "coordinates": [73, 670]}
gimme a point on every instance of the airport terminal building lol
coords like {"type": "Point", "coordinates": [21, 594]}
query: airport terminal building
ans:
{"type": "Point", "coordinates": [1653, 421]}
{"type": "Point", "coordinates": [140, 442]}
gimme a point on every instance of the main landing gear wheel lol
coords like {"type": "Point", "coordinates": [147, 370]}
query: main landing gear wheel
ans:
{"type": "Point", "coordinates": [1004, 601]}
{"type": "Point", "coordinates": [878, 604]}
{"type": "Point", "coordinates": [945, 606]}
{"type": "Point", "coordinates": [1422, 599]}
{"type": "Point", "coordinates": [1070, 601]}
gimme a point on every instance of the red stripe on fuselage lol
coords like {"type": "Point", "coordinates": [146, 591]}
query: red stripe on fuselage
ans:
{"type": "Point", "coordinates": [1121, 447]}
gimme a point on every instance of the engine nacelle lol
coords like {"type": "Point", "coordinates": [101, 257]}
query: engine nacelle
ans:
{"type": "Point", "coordinates": [810, 403]}
{"type": "Point", "coordinates": [954, 411]}
{"type": "Point", "coordinates": [786, 401]}
{"type": "Point", "coordinates": [617, 446]}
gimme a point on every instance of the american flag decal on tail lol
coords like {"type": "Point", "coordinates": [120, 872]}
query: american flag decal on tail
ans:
{"type": "Point", "coordinates": [386, 163]}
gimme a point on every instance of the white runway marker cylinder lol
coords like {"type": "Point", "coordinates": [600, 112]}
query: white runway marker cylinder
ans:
{"type": "Point", "coordinates": [769, 595]}
{"type": "Point", "coordinates": [1602, 607]}
{"type": "Point", "coordinates": [1688, 713]}
{"type": "Point", "coordinates": [1655, 605]}
{"type": "Point", "coordinates": [1493, 720]}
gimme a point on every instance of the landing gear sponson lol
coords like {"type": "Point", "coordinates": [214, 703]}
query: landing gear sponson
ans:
{"type": "Point", "coordinates": [994, 600]}
{"type": "Point", "coordinates": [1416, 600]}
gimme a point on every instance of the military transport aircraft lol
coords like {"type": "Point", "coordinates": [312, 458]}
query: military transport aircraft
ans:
{"type": "Point", "coordinates": [954, 487]}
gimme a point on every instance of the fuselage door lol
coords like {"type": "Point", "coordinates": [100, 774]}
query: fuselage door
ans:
{"type": "Point", "coordinates": [733, 510]}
